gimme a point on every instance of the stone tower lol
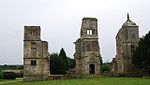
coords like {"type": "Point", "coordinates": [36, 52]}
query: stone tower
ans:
{"type": "Point", "coordinates": [36, 66]}
{"type": "Point", "coordinates": [126, 40]}
{"type": "Point", "coordinates": [87, 51]}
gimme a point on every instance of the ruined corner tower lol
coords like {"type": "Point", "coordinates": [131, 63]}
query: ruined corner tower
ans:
{"type": "Point", "coordinates": [87, 51]}
{"type": "Point", "coordinates": [126, 41]}
{"type": "Point", "coordinates": [36, 65]}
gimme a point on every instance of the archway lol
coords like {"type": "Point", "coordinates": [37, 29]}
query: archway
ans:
{"type": "Point", "coordinates": [92, 69]}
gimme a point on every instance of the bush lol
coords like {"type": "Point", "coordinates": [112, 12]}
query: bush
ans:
{"type": "Point", "coordinates": [1, 74]}
{"type": "Point", "coordinates": [131, 74]}
{"type": "Point", "coordinates": [9, 75]}
{"type": "Point", "coordinates": [105, 68]}
{"type": "Point", "coordinates": [19, 74]}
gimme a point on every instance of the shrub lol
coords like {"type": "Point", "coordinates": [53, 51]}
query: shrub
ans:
{"type": "Point", "coordinates": [1, 74]}
{"type": "Point", "coordinates": [9, 75]}
{"type": "Point", "coordinates": [131, 74]}
{"type": "Point", "coordinates": [105, 68]}
{"type": "Point", "coordinates": [19, 74]}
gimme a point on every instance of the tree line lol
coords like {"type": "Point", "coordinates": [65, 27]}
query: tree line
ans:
{"type": "Point", "coordinates": [11, 67]}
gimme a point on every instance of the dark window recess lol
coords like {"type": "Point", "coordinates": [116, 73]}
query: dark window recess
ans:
{"type": "Point", "coordinates": [93, 32]}
{"type": "Point", "coordinates": [132, 48]}
{"type": "Point", "coordinates": [33, 62]}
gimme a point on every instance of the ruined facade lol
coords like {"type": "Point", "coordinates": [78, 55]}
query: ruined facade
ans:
{"type": "Point", "coordinates": [87, 51]}
{"type": "Point", "coordinates": [36, 66]}
{"type": "Point", "coordinates": [126, 40]}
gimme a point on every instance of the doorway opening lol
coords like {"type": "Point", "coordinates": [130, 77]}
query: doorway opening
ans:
{"type": "Point", "coordinates": [92, 69]}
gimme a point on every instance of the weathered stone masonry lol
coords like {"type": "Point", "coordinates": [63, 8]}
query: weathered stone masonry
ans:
{"type": "Point", "coordinates": [126, 40]}
{"type": "Point", "coordinates": [36, 66]}
{"type": "Point", "coordinates": [87, 51]}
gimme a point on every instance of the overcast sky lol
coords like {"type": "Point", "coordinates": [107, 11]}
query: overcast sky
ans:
{"type": "Point", "coordinates": [60, 22]}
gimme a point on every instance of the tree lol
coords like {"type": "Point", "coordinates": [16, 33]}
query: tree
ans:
{"type": "Point", "coordinates": [71, 63]}
{"type": "Point", "coordinates": [62, 55]}
{"type": "Point", "coordinates": [60, 63]}
{"type": "Point", "coordinates": [141, 56]}
{"type": "Point", "coordinates": [105, 67]}
{"type": "Point", "coordinates": [56, 64]}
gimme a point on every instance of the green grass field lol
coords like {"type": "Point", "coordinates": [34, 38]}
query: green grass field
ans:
{"type": "Point", "coordinates": [84, 81]}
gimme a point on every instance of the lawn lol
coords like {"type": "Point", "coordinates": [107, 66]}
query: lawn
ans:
{"type": "Point", "coordinates": [84, 81]}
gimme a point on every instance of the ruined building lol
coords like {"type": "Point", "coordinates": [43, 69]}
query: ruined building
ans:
{"type": "Point", "coordinates": [36, 66]}
{"type": "Point", "coordinates": [126, 40]}
{"type": "Point", "coordinates": [87, 51]}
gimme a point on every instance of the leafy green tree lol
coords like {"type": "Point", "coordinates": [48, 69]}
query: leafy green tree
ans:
{"type": "Point", "coordinates": [71, 63]}
{"type": "Point", "coordinates": [56, 64]}
{"type": "Point", "coordinates": [62, 55]}
{"type": "Point", "coordinates": [141, 56]}
{"type": "Point", "coordinates": [105, 67]}
{"type": "Point", "coordinates": [60, 63]}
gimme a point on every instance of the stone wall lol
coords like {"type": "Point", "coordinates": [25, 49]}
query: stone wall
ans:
{"type": "Point", "coordinates": [87, 51]}
{"type": "Point", "coordinates": [126, 41]}
{"type": "Point", "coordinates": [36, 66]}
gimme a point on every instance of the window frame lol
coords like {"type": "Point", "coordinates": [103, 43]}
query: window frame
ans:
{"type": "Point", "coordinates": [33, 63]}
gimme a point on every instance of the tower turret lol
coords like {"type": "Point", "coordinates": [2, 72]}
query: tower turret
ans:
{"type": "Point", "coordinates": [36, 65]}
{"type": "Point", "coordinates": [126, 40]}
{"type": "Point", "coordinates": [87, 53]}
{"type": "Point", "coordinates": [89, 28]}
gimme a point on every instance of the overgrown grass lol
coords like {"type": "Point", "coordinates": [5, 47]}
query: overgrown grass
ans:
{"type": "Point", "coordinates": [84, 81]}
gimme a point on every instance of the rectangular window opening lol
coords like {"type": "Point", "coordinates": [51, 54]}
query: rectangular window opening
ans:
{"type": "Point", "coordinates": [132, 48]}
{"type": "Point", "coordinates": [89, 32]}
{"type": "Point", "coordinates": [33, 62]}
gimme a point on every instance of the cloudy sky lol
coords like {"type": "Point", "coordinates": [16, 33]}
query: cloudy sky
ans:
{"type": "Point", "coordinates": [60, 22]}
